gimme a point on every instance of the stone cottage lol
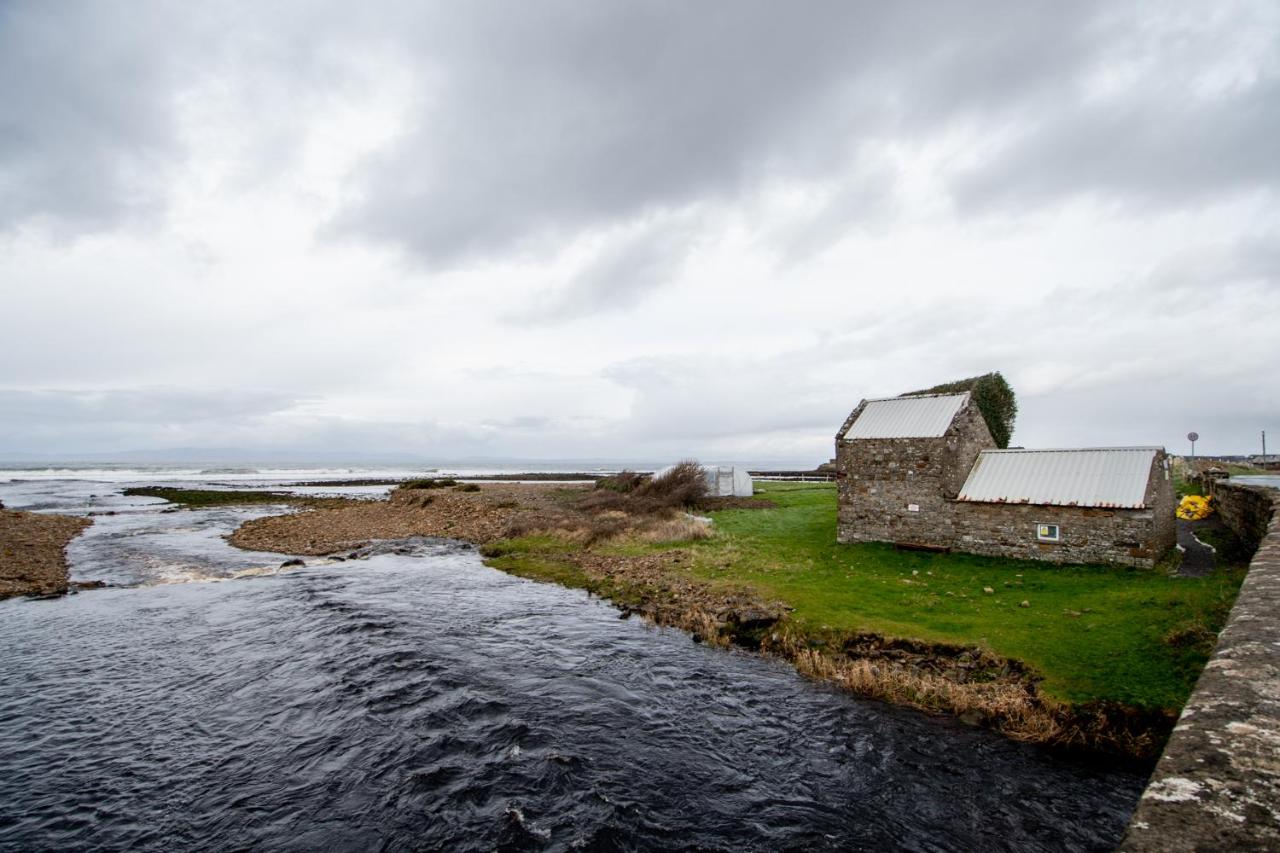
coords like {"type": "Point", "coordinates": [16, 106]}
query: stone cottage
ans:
{"type": "Point", "coordinates": [923, 471]}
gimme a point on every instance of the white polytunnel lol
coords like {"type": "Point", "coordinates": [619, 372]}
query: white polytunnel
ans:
{"type": "Point", "coordinates": [723, 481]}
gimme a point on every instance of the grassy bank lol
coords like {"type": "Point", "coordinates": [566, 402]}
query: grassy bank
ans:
{"type": "Point", "coordinates": [1092, 632]}
{"type": "Point", "coordinates": [1088, 635]}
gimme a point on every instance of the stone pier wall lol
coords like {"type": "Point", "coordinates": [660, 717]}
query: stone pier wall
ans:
{"type": "Point", "coordinates": [1217, 785]}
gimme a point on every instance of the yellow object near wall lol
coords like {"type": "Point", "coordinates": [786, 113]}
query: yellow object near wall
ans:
{"type": "Point", "coordinates": [1194, 508]}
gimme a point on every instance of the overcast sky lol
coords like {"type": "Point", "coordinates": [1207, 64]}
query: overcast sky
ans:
{"type": "Point", "coordinates": [632, 230]}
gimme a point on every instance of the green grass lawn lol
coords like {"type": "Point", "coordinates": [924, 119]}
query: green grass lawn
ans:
{"type": "Point", "coordinates": [1130, 635]}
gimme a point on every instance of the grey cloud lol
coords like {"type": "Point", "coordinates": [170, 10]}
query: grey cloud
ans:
{"type": "Point", "coordinates": [92, 93]}
{"type": "Point", "coordinates": [722, 397]}
{"type": "Point", "coordinates": [533, 124]}
{"type": "Point", "coordinates": [622, 272]}
{"type": "Point", "coordinates": [101, 419]}
{"type": "Point", "coordinates": [547, 119]}
{"type": "Point", "coordinates": [1149, 148]}
{"type": "Point", "coordinates": [85, 111]}
{"type": "Point", "coordinates": [1161, 410]}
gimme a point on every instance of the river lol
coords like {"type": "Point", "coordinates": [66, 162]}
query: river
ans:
{"type": "Point", "coordinates": [412, 698]}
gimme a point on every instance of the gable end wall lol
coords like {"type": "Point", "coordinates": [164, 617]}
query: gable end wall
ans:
{"type": "Point", "coordinates": [878, 480]}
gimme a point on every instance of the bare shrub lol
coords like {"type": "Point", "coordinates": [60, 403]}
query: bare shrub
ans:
{"type": "Point", "coordinates": [625, 481]}
{"type": "Point", "coordinates": [429, 483]}
{"type": "Point", "coordinates": [606, 501]}
{"type": "Point", "coordinates": [466, 487]}
{"type": "Point", "coordinates": [633, 504]}
{"type": "Point", "coordinates": [684, 484]}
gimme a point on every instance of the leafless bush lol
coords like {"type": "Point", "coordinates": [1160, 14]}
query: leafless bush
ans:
{"type": "Point", "coordinates": [681, 486]}
{"type": "Point", "coordinates": [607, 501]}
{"type": "Point", "coordinates": [624, 481]}
{"type": "Point", "coordinates": [429, 483]}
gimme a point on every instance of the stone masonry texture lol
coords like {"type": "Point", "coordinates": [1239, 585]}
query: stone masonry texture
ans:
{"type": "Point", "coordinates": [880, 480]}
{"type": "Point", "coordinates": [1217, 785]}
{"type": "Point", "coordinates": [903, 490]}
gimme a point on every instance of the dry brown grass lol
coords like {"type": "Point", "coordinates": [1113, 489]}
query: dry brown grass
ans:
{"type": "Point", "coordinates": [1005, 705]}
{"type": "Point", "coordinates": [680, 528]}
{"type": "Point", "coordinates": [605, 525]}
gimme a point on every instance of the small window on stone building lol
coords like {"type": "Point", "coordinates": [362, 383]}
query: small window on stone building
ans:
{"type": "Point", "coordinates": [1048, 533]}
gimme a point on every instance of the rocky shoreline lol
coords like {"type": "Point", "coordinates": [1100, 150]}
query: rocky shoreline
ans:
{"type": "Point", "coordinates": [33, 552]}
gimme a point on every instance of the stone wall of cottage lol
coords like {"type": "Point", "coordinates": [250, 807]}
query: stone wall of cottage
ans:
{"type": "Point", "coordinates": [1136, 537]}
{"type": "Point", "coordinates": [902, 489]}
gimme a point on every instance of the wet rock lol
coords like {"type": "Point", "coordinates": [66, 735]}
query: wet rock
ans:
{"type": "Point", "coordinates": [79, 585]}
{"type": "Point", "coordinates": [294, 562]}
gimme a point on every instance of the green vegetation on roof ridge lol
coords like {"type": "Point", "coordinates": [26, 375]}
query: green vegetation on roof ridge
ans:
{"type": "Point", "coordinates": [993, 397]}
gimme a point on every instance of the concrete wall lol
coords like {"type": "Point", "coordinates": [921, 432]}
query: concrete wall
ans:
{"type": "Point", "coordinates": [880, 480]}
{"type": "Point", "coordinates": [1217, 785]}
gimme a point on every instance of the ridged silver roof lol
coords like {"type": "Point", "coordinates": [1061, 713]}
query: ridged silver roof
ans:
{"type": "Point", "coordinates": [926, 416]}
{"type": "Point", "coordinates": [1113, 477]}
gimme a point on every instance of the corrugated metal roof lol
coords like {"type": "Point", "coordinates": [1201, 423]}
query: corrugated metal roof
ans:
{"type": "Point", "coordinates": [1114, 477]}
{"type": "Point", "coordinates": [926, 416]}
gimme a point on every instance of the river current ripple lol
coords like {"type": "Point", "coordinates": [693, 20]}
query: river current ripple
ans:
{"type": "Point", "coordinates": [416, 699]}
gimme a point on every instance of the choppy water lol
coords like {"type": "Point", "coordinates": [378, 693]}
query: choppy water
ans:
{"type": "Point", "coordinates": [415, 699]}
